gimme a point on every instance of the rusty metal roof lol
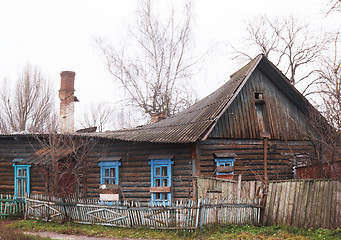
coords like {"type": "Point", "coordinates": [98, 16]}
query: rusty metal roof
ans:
{"type": "Point", "coordinates": [45, 155]}
{"type": "Point", "coordinates": [192, 123]}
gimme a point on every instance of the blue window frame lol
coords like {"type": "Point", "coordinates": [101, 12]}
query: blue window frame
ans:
{"type": "Point", "coordinates": [225, 162]}
{"type": "Point", "coordinates": [161, 176]}
{"type": "Point", "coordinates": [109, 171]}
{"type": "Point", "coordinates": [22, 180]}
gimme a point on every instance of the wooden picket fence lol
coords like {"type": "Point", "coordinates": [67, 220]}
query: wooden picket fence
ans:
{"type": "Point", "coordinates": [187, 215]}
{"type": "Point", "coordinates": [10, 206]}
{"type": "Point", "coordinates": [304, 203]}
{"type": "Point", "coordinates": [213, 188]}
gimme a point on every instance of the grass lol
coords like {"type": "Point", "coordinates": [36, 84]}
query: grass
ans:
{"type": "Point", "coordinates": [271, 232]}
{"type": "Point", "coordinates": [212, 232]}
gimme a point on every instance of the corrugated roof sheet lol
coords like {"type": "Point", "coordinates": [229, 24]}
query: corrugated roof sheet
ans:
{"type": "Point", "coordinates": [189, 125]}
{"type": "Point", "coordinates": [45, 155]}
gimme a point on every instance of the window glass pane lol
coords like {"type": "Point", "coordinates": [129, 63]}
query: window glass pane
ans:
{"type": "Point", "coordinates": [164, 196]}
{"type": "Point", "coordinates": [164, 182]}
{"type": "Point", "coordinates": [19, 172]}
{"type": "Point", "coordinates": [24, 182]}
{"type": "Point", "coordinates": [112, 172]}
{"type": "Point", "coordinates": [19, 188]}
{"type": "Point", "coordinates": [106, 172]}
{"type": "Point", "coordinates": [157, 195]}
{"type": "Point", "coordinates": [157, 171]}
{"type": "Point", "coordinates": [106, 181]}
{"type": "Point", "coordinates": [164, 171]}
{"type": "Point", "coordinates": [157, 182]}
{"type": "Point", "coordinates": [24, 172]}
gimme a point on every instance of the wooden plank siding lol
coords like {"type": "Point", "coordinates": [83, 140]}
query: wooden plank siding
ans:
{"type": "Point", "coordinates": [284, 120]}
{"type": "Point", "coordinates": [249, 160]}
{"type": "Point", "coordinates": [239, 131]}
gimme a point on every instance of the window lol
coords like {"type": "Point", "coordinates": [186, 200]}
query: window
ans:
{"type": "Point", "coordinates": [225, 163]}
{"type": "Point", "coordinates": [225, 166]}
{"type": "Point", "coordinates": [161, 179]}
{"type": "Point", "coordinates": [109, 170]}
{"type": "Point", "coordinates": [22, 180]}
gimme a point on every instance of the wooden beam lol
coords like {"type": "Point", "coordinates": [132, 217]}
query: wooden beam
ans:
{"type": "Point", "coordinates": [265, 150]}
{"type": "Point", "coordinates": [160, 189]}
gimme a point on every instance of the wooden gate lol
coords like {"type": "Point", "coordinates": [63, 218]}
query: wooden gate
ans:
{"type": "Point", "coordinates": [10, 206]}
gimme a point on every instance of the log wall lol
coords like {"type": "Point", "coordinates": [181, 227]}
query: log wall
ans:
{"type": "Point", "coordinates": [249, 162]}
{"type": "Point", "coordinates": [14, 147]}
{"type": "Point", "coordinates": [135, 171]}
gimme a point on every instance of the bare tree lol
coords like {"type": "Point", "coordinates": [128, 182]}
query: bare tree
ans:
{"type": "Point", "coordinates": [287, 42]}
{"type": "Point", "coordinates": [30, 107]}
{"type": "Point", "coordinates": [325, 132]}
{"type": "Point", "coordinates": [66, 162]}
{"type": "Point", "coordinates": [330, 85]}
{"type": "Point", "coordinates": [98, 115]}
{"type": "Point", "coordinates": [155, 74]}
{"type": "Point", "coordinates": [334, 6]}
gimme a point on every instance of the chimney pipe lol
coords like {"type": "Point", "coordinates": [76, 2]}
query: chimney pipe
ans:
{"type": "Point", "coordinates": [67, 98]}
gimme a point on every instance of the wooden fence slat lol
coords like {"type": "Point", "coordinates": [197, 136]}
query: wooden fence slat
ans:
{"type": "Point", "coordinates": [309, 206]}
{"type": "Point", "coordinates": [281, 203]}
{"type": "Point", "coordinates": [320, 202]}
{"type": "Point", "coordinates": [304, 203]}
{"type": "Point", "coordinates": [275, 204]}
{"type": "Point", "coordinates": [186, 215]}
{"type": "Point", "coordinates": [291, 203]}
{"type": "Point", "coordinates": [11, 206]}
{"type": "Point", "coordinates": [338, 209]}
{"type": "Point", "coordinates": [329, 204]}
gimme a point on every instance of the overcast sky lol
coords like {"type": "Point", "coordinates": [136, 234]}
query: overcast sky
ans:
{"type": "Point", "coordinates": [59, 36]}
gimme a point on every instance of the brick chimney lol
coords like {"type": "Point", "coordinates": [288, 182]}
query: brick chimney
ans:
{"type": "Point", "coordinates": [67, 99]}
{"type": "Point", "coordinates": [156, 117]}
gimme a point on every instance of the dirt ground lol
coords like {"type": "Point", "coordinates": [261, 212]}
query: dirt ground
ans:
{"type": "Point", "coordinates": [54, 235]}
{"type": "Point", "coordinates": [74, 237]}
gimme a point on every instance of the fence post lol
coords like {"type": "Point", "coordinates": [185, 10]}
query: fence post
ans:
{"type": "Point", "coordinates": [239, 188]}
{"type": "Point", "coordinates": [198, 218]}
{"type": "Point", "coordinates": [195, 189]}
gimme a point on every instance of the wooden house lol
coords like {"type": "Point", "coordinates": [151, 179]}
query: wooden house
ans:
{"type": "Point", "coordinates": [256, 125]}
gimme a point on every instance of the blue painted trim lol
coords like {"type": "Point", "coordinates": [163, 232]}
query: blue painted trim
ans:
{"type": "Point", "coordinates": [109, 165]}
{"type": "Point", "coordinates": [16, 178]}
{"type": "Point", "coordinates": [158, 163]}
{"type": "Point", "coordinates": [225, 162]}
